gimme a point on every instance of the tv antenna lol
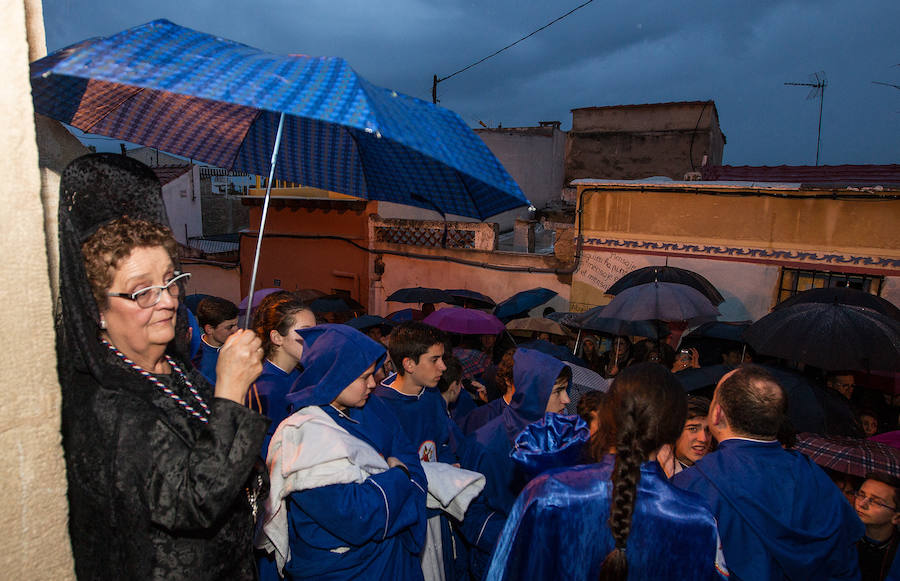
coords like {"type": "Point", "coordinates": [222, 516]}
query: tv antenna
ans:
{"type": "Point", "coordinates": [817, 82]}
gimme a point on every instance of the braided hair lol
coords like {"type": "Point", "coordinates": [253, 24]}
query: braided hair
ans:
{"type": "Point", "coordinates": [649, 406]}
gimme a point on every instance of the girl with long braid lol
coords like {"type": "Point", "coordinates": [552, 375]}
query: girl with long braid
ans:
{"type": "Point", "coordinates": [619, 518]}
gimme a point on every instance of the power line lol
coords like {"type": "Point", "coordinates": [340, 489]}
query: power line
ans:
{"type": "Point", "coordinates": [552, 22]}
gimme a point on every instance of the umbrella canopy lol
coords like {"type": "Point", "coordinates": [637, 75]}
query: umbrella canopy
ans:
{"type": "Point", "coordinates": [406, 315]}
{"type": "Point", "coordinates": [336, 304]}
{"type": "Point", "coordinates": [850, 455]}
{"type": "Point", "coordinates": [583, 381]}
{"type": "Point", "coordinates": [667, 274]}
{"type": "Point", "coordinates": [469, 298]}
{"type": "Point", "coordinates": [558, 351]}
{"type": "Point", "coordinates": [368, 321]}
{"type": "Point", "coordinates": [474, 362]}
{"type": "Point", "coordinates": [522, 302]}
{"type": "Point", "coordinates": [465, 321]}
{"type": "Point", "coordinates": [664, 301]}
{"type": "Point", "coordinates": [829, 336]}
{"type": "Point", "coordinates": [219, 101]}
{"type": "Point", "coordinates": [844, 296]}
{"type": "Point", "coordinates": [420, 294]}
{"type": "Point", "coordinates": [536, 325]}
{"type": "Point", "coordinates": [719, 330]}
{"type": "Point", "coordinates": [595, 320]}
{"type": "Point", "coordinates": [258, 296]}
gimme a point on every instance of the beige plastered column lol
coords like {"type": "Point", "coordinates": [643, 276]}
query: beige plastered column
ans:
{"type": "Point", "coordinates": [33, 509]}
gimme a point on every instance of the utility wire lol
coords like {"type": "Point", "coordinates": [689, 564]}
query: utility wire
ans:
{"type": "Point", "coordinates": [515, 43]}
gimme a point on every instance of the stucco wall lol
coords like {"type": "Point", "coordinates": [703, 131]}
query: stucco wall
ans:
{"type": "Point", "coordinates": [33, 510]}
{"type": "Point", "coordinates": [182, 199]}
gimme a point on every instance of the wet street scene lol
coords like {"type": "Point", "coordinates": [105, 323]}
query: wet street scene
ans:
{"type": "Point", "coordinates": [410, 292]}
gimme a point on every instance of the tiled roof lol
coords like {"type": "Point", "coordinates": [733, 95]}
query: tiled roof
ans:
{"type": "Point", "coordinates": [167, 173]}
{"type": "Point", "coordinates": [213, 246]}
{"type": "Point", "coordinates": [822, 175]}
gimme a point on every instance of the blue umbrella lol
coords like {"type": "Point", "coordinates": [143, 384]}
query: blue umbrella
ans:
{"type": "Point", "coordinates": [231, 105]}
{"type": "Point", "coordinates": [558, 351]}
{"type": "Point", "coordinates": [719, 330]}
{"type": "Point", "coordinates": [522, 302]}
{"type": "Point", "coordinates": [663, 301]}
{"type": "Point", "coordinates": [219, 101]}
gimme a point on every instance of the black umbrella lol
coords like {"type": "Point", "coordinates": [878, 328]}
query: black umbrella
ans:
{"type": "Point", "coordinates": [335, 304]}
{"type": "Point", "coordinates": [420, 294]}
{"type": "Point", "coordinates": [829, 336]}
{"type": "Point", "coordinates": [593, 320]}
{"type": "Point", "coordinates": [469, 298]}
{"type": "Point", "coordinates": [661, 301]}
{"type": "Point", "coordinates": [844, 296]}
{"type": "Point", "coordinates": [667, 274]}
{"type": "Point", "coordinates": [719, 330]}
{"type": "Point", "coordinates": [522, 302]}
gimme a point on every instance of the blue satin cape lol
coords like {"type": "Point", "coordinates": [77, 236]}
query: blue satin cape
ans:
{"type": "Point", "coordinates": [558, 529]}
{"type": "Point", "coordinates": [779, 514]}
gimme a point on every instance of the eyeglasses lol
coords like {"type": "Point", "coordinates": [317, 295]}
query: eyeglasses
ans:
{"type": "Point", "coordinates": [861, 497]}
{"type": "Point", "coordinates": [151, 295]}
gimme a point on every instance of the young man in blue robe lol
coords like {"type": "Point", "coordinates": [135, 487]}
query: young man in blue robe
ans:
{"type": "Point", "coordinates": [417, 351]}
{"type": "Point", "coordinates": [779, 515]}
{"type": "Point", "coordinates": [218, 319]}
{"type": "Point", "coordinates": [348, 491]}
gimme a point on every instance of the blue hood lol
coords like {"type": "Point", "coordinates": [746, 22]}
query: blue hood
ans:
{"type": "Point", "coordinates": [534, 374]}
{"type": "Point", "coordinates": [333, 357]}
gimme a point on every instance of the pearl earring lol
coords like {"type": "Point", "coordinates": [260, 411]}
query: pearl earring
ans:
{"type": "Point", "coordinates": [102, 323]}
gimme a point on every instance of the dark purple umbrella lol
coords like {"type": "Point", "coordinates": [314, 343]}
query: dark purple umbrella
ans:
{"type": "Point", "coordinates": [420, 294]}
{"type": "Point", "coordinates": [406, 315]}
{"type": "Point", "coordinates": [829, 336]}
{"type": "Point", "coordinates": [844, 296]}
{"type": "Point", "coordinates": [850, 455]}
{"type": "Point", "coordinates": [465, 321]}
{"type": "Point", "coordinates": [667, 274]}
{"type": "Point", "coordinates": [258, 296]}
{"type": "Point", "coordinates": [662, 301]}
{"type": "Point", "coordinates": [336, 304]}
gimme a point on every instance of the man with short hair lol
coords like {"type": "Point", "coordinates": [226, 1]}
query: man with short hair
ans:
{"type": "Point", "coordinates": [779, 515]}
{"type": "Point", "coordinates": [218, 319]}
{"type": "Point", "coordinates": [840, 417]}
{"type": "Point", "coordinates": [878, 505]}
{"type": "Point", "coordinates": [694, 441]}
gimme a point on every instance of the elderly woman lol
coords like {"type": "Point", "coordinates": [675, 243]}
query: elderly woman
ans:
{"type": "Point", "coordinates": [160, 465]}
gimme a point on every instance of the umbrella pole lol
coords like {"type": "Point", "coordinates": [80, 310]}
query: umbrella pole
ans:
{"type": "Point", "coordinates": [262, 221]}
{"type": "Point", "coordinates": [577, 340]}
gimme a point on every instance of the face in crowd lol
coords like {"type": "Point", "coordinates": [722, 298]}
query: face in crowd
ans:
{"type": "Point", "coordinates": [694, 441]}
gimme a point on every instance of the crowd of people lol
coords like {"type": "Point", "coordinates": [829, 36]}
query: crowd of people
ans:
{"type": "Point", "coordinates": [306, 449]}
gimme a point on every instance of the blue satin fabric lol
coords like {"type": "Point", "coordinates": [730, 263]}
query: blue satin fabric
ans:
{"type": "Point", "coordinates": [554, 441]}
{"type": "Point", "coordinates": [558, 529]}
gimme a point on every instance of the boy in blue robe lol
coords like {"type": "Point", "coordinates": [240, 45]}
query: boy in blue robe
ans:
{"type": "Point", "coordinates": [779, 515]}
{"type": "Point", "coordinates": [218, 319]}
{"type": "Point", "coordinates": [417, 351]}
{"type": "Point", "coordinates": [370, 522]}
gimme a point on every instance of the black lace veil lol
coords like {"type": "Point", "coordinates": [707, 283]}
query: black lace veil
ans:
{"type": "Point", "coordinates": [94, 190]}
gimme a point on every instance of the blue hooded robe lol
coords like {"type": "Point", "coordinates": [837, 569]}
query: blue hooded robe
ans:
{"type": "Point", "coordinates": [534, 374]}
{"type": "Point", "coordinates": [558, 529]}
{"type": "Point", "coordinates": [438, 439]}
{"type": "Point", "coordinates": [269, 394]}
{"type": "Point", "coordinates": [779, 514]}
{"type": "Point", "coordinates": [381, 520]}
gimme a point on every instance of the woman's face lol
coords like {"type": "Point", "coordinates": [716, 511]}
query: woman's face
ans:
{"type": "Point", "coordinates": [589, 347]}
{"type": "Point", "coordinates": [357, 393]}
{"type": "Point", "coordinates": [620, 346]}
{"type": "Point", "coordinates": [291, 344]}
{"type": "Point", "coordinates": [133, 329]}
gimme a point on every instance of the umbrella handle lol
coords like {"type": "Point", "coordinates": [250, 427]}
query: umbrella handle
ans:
{"type": "Point", "coordinates": [262, 221]}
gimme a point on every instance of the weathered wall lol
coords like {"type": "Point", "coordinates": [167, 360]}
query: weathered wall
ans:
{"type": "Point", "coordinates": [182, 199]}
{"type": "Point", "coordinates": [640, 141]}
{"type": "Point", "coordinates": [739, 237]}
{"type": "Point", "coordinates": [33, 511]}
{"type": "Point", "coordinates": [316, 262]}
{"type": "Point", "coordinates": [211, 279]}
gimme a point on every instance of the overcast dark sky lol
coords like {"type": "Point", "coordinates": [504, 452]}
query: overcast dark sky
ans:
{"type": "Point", "coordinates": [738, 53]}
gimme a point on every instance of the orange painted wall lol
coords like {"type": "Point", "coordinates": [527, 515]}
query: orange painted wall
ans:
{"type": "Point", "coordinates": [317, 262]}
